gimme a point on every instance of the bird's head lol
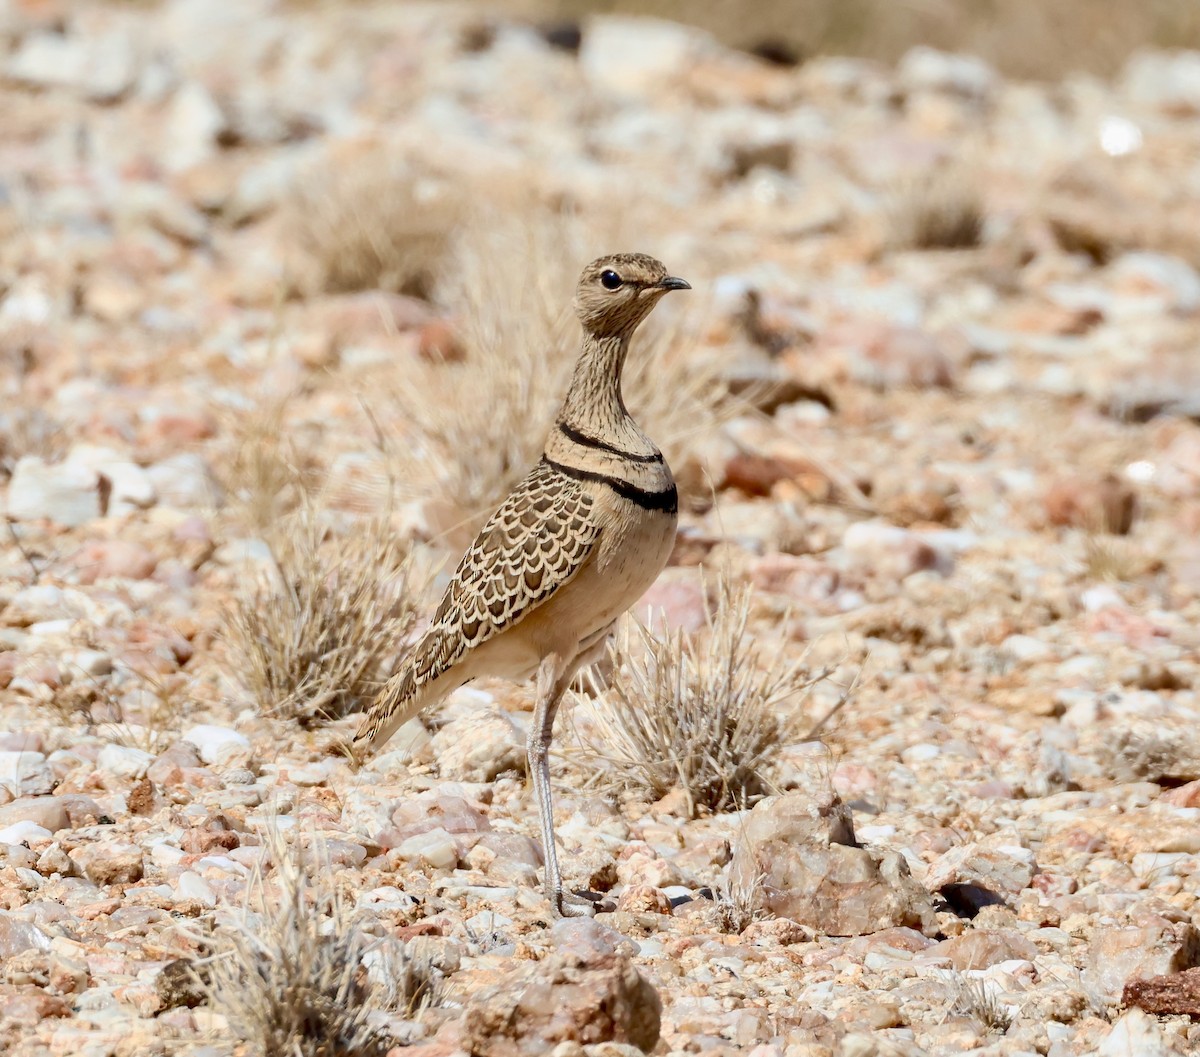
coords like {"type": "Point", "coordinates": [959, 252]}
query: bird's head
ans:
{"type": "Point", "coordinates": [617, 292]}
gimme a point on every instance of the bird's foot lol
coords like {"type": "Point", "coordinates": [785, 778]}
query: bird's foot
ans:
{"type": "Point", "coordinates": [571, 905]}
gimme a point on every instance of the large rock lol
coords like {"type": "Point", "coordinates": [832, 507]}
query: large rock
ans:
{"type": "Point", "coordinates": [195, 125]}
{"type": "Point", "coordinates": [634, 56]}
{"type": "Point", "coordinates": [1157, 947]}
{"type": "Point", "coordinates": [893, 553]}
{"type": "Point", "coordinates": [17, 936]}
{"type": "Point", "coordinates": [52, 813]}
{"type": "Point", "coordinates": [929, 70]}
{"type": "Point", "coordinates": [798, 853]}
{"type": "Point", "coordinates": [479, 747]}
{"type": "Point", "coordinates": [981, 873]}
{"type": "Point", "coordinates": [1175, 994]}
{"type": "Point", "coordinates": [981, 948]}
{"type": "Point", "coordinates": [101, 67]}
{"type": "Point", "coordinates": [1137, 1035]}
{"type": "Point", "coordinates": [565, 998]}
{"type": "Point", "coordinates": [110, 862]}
{"type": "Point", "coordinates": [65, 493]}
{"type": "Point", "coordinates": [218, 745]}
{"type": "Point", "coordinates": [26, 773]}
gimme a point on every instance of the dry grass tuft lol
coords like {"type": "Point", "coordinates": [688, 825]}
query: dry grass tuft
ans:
{"type": "Point", "coordinates": [739, 901]}
{"type": "Point", "coordinates": [698, 713]}
{"type": "Point", "coordinates": [312, 644]}
{"type": "Point", "coordinates": [1112, 560]}
{"type": "Point", "coordinates": [291, 979]}
{"type": "Point", "coordinates": [939, 212]}
{"type": "Point", "coordinates": [370, 222]}
{"type": "Point", "coordinates": [471, 428]}
{"type": "Point", "coordinates": [402, 982]}
{"type": "Point", "coordinates": [979, 998]}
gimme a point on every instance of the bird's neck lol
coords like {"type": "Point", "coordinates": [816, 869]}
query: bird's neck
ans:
{"type": "Point", "coordinates": [593, 402]}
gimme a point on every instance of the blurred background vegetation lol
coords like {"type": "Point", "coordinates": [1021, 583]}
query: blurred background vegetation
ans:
{"type": "Point", "coordinates": [1042, 39]}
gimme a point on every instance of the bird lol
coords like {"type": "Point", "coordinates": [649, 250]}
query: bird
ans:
{"type": "Point", "coordinates": [575, 544]}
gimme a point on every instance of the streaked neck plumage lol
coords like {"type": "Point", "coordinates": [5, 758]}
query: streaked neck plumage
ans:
{"type": "Point", "coordinates": [594, 404]}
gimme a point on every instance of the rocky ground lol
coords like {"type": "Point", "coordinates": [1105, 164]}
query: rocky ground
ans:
{"type": "Point", "coordinates": [946, 330]}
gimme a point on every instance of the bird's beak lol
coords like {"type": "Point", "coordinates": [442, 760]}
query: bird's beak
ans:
{"type": "Point", "coordinates": [672, 283]}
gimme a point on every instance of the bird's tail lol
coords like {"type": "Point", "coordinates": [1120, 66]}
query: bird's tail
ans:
{"type": "Point", "coordinates": [403, 696]}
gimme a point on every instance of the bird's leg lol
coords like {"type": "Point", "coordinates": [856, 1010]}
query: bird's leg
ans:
{"type": "Point", "coordinates": [552, 680]}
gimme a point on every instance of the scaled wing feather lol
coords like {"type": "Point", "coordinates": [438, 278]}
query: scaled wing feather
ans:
{"type": "Point", "coordinates": [535, 543]}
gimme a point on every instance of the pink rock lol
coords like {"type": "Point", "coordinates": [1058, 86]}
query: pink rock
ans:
{"type": "Point", "coordinates": [1118, 955]}
{"type": "Point", "coordinates": [1003, 869]}
{"type": "Point", "coordinates": [1178, 471]}
{"type": "Point", "coordinates": [453, 814]}
{"type": "Point", "coordinates": [438, 341]}
{"type": "Point", "coordinates": [790, 854]}
{"type": "Point", "coordinates": [854, 781]}
{"type": "Point", "coordinates": [756, 473]}
{"type": "Point", "coordinates": [21, 741]}
{"type": "Point", "coordinates": [535, 1008]}
{"type": "Point", "coordinates": [639, 864]}
{"type": "Point", "coordinates": [1185, 796]}
{"type": "Point", "coordinates": [801, 576]}
{"type": "Point", "coordinates": [192, 529]}
{"type": "Point", "coordinates": [892, 552]}
{"type": "Point", "coordinates": [1123, 625]}
{"type": "Point", "coordinates": [110, 862]}
{"type": "Point", "coordinates": [981, 948]}
{"type": "Point", "coordinates": [49, 812]}
{"type": "Point", "coordinates": [1106, 503]}
{"type": "Point", "coordinates": [885, 356]}
{"type": "Point", "coordinates": [644, 899]}
{"type": "Point", "coordinates": [179, 428]}
{"type": "Point", "coordinates": [361, 318]}
{"type": "Point", "coordinates": [114, 559]}
{"type": "Point", "coordinates": [993, 789]}
{"type": "Point", "coordinates": [677, 600]}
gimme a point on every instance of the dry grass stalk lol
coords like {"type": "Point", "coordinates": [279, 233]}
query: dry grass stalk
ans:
{"type": "Point", "coordinates": [943, 211]}
{"type": "Point", "coordinates": [979, 998]}
{"type": "Point", "coordinates": [370, 222]}
{"type": "Point", "coordinates": [470, 429]}
{"type": "Point", "coordinates": [139, 712]}
{"type": "Point", "coordinates": [151, 713]}
{"type": "Point", "coordinates": [312, 645]}
{"type": "Point", "coordinates": [1112, 560]}
{"type": "Point", "coordinates": [698, 713]}
{"type": "Point", "coordinates": [739, 900]}
{"type": "Point", "coordinates": [266, 478]}
{"type": "Point", "coordinates": [290, 979]}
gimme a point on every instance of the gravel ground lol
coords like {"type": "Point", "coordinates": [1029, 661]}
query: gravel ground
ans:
{"type": "Point", "coordinates": [962, 479]}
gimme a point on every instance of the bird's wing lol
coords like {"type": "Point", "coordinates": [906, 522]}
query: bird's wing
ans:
{"type": "Point", "coordinates": [535, 543]}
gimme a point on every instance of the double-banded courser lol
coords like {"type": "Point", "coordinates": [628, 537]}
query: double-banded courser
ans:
{"type": "Point", "coordinates": [571, 548]}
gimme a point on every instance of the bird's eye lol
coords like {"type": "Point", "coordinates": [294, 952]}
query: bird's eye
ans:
{"type": "Point", "coordinates": [610, 280]}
